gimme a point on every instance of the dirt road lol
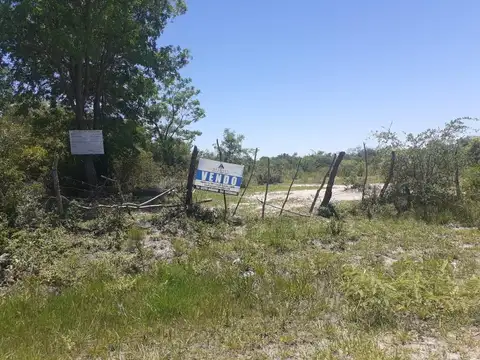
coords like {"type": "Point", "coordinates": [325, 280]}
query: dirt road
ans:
{"type": "Point", "coordinates": [302, 198]}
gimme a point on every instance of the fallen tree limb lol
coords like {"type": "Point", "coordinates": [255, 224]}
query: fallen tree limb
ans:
{"type": "Point", "coordinates": [135, 207]}
{"type": "Point", "coordinates": [157, 197]}
{"type": "Point", "coordinates": [278, 207]}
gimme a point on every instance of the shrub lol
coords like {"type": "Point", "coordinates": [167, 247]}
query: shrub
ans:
{"type": "Point", "coordinates": [137, 171]}
{"type": "Point", "coordinates": [471, 182]}
{"type": "Point", "coordinates": [262, 178]}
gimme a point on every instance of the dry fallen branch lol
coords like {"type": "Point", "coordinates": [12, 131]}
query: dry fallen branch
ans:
{"type": "Point", "coordinates": [135, 207]}
{"type": "Point", "coordinates": [157, 197]}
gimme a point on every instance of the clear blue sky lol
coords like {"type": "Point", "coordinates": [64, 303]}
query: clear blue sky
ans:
{"type": "Point", "coordinates": [321, 75]}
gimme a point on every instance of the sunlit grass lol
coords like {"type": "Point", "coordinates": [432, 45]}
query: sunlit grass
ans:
{"type": "Point", "coordinates": [283, 287]}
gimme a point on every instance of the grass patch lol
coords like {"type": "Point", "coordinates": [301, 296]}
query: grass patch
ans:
{"type": "Point", "coordinates": [102, 313]}
{"type": "Point", "coordinates": [278, 288]}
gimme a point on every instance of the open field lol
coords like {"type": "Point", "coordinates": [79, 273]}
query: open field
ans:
{"type": "Point", "coordinates": [284, 288]}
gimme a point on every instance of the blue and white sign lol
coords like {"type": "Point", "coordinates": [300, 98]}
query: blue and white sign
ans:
{"type": "Point", "coordinates": [218, 176]}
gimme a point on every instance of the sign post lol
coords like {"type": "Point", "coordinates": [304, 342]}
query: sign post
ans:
{"type": "Point", "coordinates": [219, 177]}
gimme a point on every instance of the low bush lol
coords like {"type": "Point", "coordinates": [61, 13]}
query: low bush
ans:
{"type": "Point", "coordinates": [415, 290]}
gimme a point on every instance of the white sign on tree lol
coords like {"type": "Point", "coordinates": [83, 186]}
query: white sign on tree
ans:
{"type": "Point", "coordinates": [86, 142]}
{"type": "Point", "coordinates": [218, 176]}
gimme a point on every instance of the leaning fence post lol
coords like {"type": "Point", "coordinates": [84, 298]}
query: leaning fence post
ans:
{"type": "Point", "coordinates": [191, 176]}
{"type": "Point", "coordinates": [266, 188]}
{"type": "Point", "coordinates": [291, 184]}
{"type": "Point", "coordinates": [366, 172]}
{"type": "Point", "coordinates": [331, 180]}
{"type": "Point", "coordinates": [248, 182]}
{"type": "Point", "coordinates": [224, 195]}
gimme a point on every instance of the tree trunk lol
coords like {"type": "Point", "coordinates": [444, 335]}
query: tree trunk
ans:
{"type": "Point", "coordinates": [90, 172]}
{"type": "Point", "coordinates": [323, 183]}
{"type": "Point", "coordinates": [266, 188]}
{"type": "Point", "coordinates": [331, 179]}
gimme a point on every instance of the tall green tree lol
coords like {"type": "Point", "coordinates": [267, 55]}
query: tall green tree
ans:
{"type": "Point", "coordinates": [176, 109]}
{"type": "Point", "coordinates": [97, 57]}
{"type": "Point", "coordinates": [232, 148]}
{"type": "Point", "coordinates": [169, 120]}
{"type": "Point", "coordinates": [6, 92]}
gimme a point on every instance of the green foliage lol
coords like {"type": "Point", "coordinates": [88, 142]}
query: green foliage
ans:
{"type": "Point", "coordinates": [232, 148]}
{"type": "Point", "coordinates": [471, 181]}
{"type": "Point", "coordinates": [99, 59]}
{"type": "Point", "coordinates": [176, 109]}
{"type": "Point", "coordinates": [426, 290]}
{"type": "Point", "coordinates": [262, 177]}
{"type": "Point", "coordinates": [138, 171]}
{"type": "Point", "coordinates": [173, 153]}
{"type": "Point", "coordinates": [473, 151]}
{"type": "Point", "coordinates": [426, 169]}
{"type": "Point", "coordinates": [24, 159]}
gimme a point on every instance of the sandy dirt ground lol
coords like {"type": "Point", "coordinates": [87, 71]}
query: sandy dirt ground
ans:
{"type": "Point", "coordinates": [302, 198]}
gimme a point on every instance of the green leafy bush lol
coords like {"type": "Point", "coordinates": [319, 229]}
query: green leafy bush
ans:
{"type": "Point", "coordinates": [471, 182]}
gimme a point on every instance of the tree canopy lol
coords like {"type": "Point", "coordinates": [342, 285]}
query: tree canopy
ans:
{"type": "Point", "coordinates": [99, 58]}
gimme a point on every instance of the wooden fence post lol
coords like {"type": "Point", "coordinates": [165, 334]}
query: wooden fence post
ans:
{"type": "Point", "coordinates": [266, 188]}
{"type": "Point", "coordinates": [366, 173]}
{"type": "Point", "coordinates": [224, 195]}
{"type": "Point", "coordinates": [291, 184]}
{"type": "Point", "coordinates": [191, 176]}
{"type": "Point", "coordinates": [248, 182]}
{"type": "Point", "coordinates": [56, 186]}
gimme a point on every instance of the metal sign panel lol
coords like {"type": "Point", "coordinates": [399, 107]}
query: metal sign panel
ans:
{"type": "Point", "coordinates": [86, 142]}
{"type": "Point", "coordinates": [218, 176]}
